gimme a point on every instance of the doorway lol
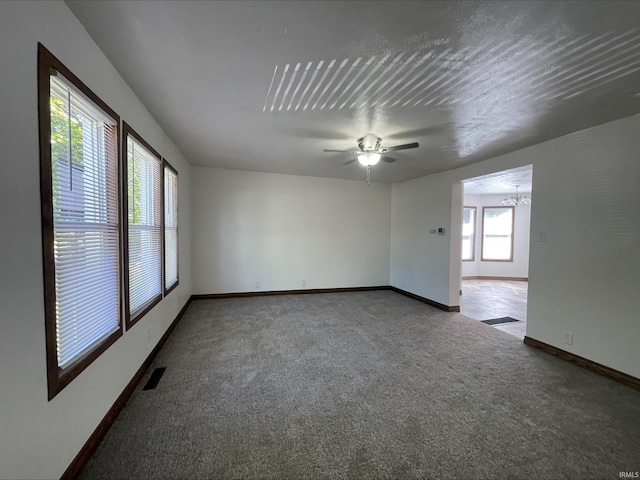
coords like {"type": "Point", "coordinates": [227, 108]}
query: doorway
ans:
{"type": "Point", "coordinates": [495, 248]}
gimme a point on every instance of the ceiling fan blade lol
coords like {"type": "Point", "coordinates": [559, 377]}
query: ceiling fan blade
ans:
{"type": "Point", "coordinates": [388, 159]}
{"type": "Point", "coordinates": [349, 162]}
{"type": "Point", "coordinates": [406, 146]}
{"type": "Point", "coordinates": [338, 151]}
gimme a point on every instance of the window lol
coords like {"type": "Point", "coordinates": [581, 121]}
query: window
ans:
{"type": "Point", "coordinates": [143, 173]}
{"type": "Point", "coordinates": [80, 221]}
{"type": "Point", "coordinates": [497, 234]}
{"type": "Point", "coordinates": [170, 228]}
{"type": "Point", "coordinates": [468, 234]}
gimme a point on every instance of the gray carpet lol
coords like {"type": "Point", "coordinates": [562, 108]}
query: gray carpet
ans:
{"type": "Point", "coordinates": [364, 385]}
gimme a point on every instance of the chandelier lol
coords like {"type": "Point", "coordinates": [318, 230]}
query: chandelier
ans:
{"type": "Point", "coordinates": [516, 199]}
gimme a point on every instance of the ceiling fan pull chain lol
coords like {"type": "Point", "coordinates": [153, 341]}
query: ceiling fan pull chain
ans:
{"type": "Point", "coordinates": [368, 174]}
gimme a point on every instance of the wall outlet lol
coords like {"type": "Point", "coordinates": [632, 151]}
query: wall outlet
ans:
{"type": "Point", "coordinates": [568, 338]}
{"type": "Point", "coordinates": [258, 284]}
{"type": "Point", "coordinates": [542, 236]}
{"type": "Point", "coordinates": [303, 283]}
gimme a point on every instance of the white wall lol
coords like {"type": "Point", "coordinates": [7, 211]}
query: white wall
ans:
{"type": "Point", "coordinates": [39, 438]}
{"type": "Point", "coordinates": [282, 229]}
{"type": "Point", "coordinates": [421, 261]}
{"type": "Point", "coordinates": [519, 267]}
{"type": "Point", "coordinates": [584, 278]}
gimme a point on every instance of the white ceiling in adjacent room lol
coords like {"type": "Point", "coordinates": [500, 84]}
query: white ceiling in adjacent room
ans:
{"type": "Point", "coordinates": [503, 182]}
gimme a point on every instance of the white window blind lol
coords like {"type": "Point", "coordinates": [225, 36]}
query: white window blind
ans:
{"type": "Point", "coordinates": [144, 174]}
{"type": "Point", "coordinates": [84, 170]}
{"type": "Point", "coordinates": [170, 227]}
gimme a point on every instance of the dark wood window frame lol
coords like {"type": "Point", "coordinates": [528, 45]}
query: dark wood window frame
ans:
{"type": "Point", "coordinates": [473, 241]}
{"type": "Point", "coordinates": [166, 164]}
{"type": "Point", "coordinates": [58, 378]}
{"type": "Point", "coordinates": [513, 226]}
{"type": "Point", "coordinates": [132, 320]}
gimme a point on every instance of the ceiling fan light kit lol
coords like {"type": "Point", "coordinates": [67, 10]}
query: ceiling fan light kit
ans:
{"type": "Point", "coordinates": [369, 159]}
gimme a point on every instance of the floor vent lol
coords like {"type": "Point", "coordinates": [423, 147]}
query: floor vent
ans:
{"type": "Point", "coordinates": [154, 379]}
{"type": "Point", "coordinates": [498, 321]}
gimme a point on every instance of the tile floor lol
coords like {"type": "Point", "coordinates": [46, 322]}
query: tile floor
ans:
{"type": "Point", "coordinates": [485, 299]}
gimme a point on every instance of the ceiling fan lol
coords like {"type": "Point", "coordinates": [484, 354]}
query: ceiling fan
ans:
{"type": "Point", "coordinates": [371, 152]}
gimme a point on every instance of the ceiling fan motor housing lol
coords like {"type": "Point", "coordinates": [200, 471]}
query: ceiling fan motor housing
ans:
{"type": "Point", "coordinates": [369, 143]}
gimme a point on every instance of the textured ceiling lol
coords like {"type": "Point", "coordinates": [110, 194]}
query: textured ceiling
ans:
{"type": "Point", "coordinates": [504, 182]}
{"type": "Point", "coordinates": [268, 85]}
